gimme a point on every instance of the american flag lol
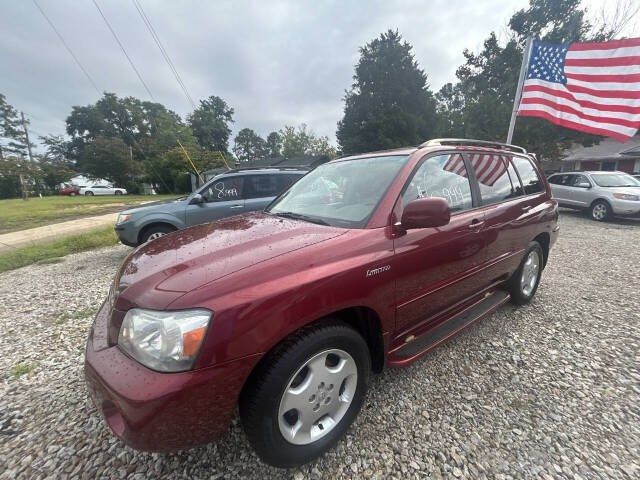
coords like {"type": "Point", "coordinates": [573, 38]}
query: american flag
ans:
{"type": "Point", "coordinates": [591, 87]}
{"type": "Point", "coordinates": [488, 168]}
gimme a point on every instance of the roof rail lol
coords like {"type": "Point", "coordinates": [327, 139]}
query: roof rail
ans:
{"type": "Point", "coordinates": [270, 167]}
{"type": "Point", "coordinates": [471, 142]}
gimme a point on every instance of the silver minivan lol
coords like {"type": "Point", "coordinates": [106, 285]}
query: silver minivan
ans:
{"type": "Point", "coordinates": [603, 194]}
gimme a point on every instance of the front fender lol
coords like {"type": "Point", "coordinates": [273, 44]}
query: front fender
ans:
{"type": "Point", "coordinates": [155, 217]}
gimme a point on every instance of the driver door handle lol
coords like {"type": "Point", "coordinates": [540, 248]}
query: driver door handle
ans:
{"type": "Point", "coordinates": [233, 207]}
{"type": "Point", "coordinates": [526, 208]}
{"type": "Point", "coordinates": [475, 224]}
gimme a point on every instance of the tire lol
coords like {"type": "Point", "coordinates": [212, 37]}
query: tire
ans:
{"type": "Point", "coordinates": [265, 397]}
{"type": "Point", "coordinates": [88, 194]}
{"type": "Point", "coordinates": [524, 283]}
{"type": "Point", "coordinates": [600, 211]}
{"type": "Point", "coordinates": [118, 192]}
{"type": "Point", "coordinates": [72, 194]}
{"type": "Point", "coordinates": [155, 231]}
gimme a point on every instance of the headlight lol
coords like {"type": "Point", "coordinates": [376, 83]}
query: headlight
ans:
{"type": "Point", "coordinates": [627, 196]}
{"type": "Point", "coordinates": [164, 341]}
{"type": "Point", "coordinates": [123, 217]}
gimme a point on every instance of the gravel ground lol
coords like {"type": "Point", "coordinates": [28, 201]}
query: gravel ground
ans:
{"type": "Point", "coordinates": [550, 390]}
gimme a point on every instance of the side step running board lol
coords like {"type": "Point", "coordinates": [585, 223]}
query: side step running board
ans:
{"type": "Point", "coordinates": [415, 348]}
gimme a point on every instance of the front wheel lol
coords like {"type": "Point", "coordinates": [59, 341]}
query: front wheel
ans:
{"type": "Point", "coordinates": [118, 192]}
{"type": "Point", "coordinates": [600, 211]}
{"type": "Point", "coordinates": [524, 283]}
{"type": "Point", "coordinates": [305, 393]}
{"type": "Point", "coordinates": [72, 194]}
{"type": "Point", "coordinates": [88, 194]}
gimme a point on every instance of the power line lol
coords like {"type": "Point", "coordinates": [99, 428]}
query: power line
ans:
{"type": "Point", "coordinates": [123, 50]}
{"type": "Point", "coordinates": [164, 53]}
{"type": "Point", "coordinates": [67, 47]}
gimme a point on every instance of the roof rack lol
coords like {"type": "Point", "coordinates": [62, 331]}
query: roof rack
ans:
{"type": "Point", "coordinates": [270, 167]}
{"type": "Point", "coordinates": [471, 142]}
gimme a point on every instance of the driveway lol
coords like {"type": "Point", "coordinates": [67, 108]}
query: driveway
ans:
{"type": "Point", "coordinates": [550, 390]}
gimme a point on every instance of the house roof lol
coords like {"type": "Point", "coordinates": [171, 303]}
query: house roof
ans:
{"type": "Point", "coordinates": [607, 149]}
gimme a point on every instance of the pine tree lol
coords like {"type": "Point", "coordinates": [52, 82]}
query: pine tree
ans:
{"type": "Point", "coordinates": [389, 104]}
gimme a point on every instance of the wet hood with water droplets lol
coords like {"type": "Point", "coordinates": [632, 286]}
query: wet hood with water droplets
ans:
{"type": "Point", "coordinates": [164, 269]}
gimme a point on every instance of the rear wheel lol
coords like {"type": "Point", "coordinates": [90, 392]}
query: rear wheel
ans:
{"type": "Point", "coordinates": [72, 194]}
{"type": "Point", "coordinates": [118, 192]}
{"type": "Point", "coordinates": [600, 211]}
{"type": "Point", "coordinates": [305, 393]}
{"type": "Point", "coordinates": [524, 283]}
{"type": "Point", "coordinates": [155, 231]}
{"type": "Point", "coordinates": [88, 194]}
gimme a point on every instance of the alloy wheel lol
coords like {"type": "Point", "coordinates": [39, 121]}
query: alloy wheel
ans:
{"type": "Point", "coordinates": [530, 270]}
{"type": "Point", "coordinates": [155, 235]}
{"type": "Point", "coordinates": [599, 212]}
{"type": "Point", "coordinates": [317, 396]}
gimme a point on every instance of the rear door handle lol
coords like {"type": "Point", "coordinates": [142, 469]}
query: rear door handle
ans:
{"type": "Point", "coordinates": [476, 224]}
{"type": "Point", "coordinates": [234, 207]}
{"type": "Point", "coordinates": [526, 208]}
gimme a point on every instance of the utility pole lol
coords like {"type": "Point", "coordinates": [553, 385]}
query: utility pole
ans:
{"type": "Point", "coordinates": [26, 134]}
{"type": "Point", "coordinates": [25, 194]}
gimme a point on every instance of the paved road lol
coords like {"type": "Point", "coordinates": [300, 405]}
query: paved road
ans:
{"type": "Point", "coordinates": [550, 390]}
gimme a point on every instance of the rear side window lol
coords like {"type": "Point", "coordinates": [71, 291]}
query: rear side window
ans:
{"type": "Point", "coordinates": [260, 186]}
{"type": "Point", "coordinates": [493, 179]}
{"type": "Point", "coordinates": [224, 190]}
{"type": "Point", "coordinates": [441, 176]}
{"type": "Point", "coordinates": [561, 179]}
{"type": "Point", "coordinates": [530, 180]}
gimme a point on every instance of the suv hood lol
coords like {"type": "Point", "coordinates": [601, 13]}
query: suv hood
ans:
{"type": "Point", "coordinates": [627, 190]}
{"type": "Point", "coordinates": [159, 205]}
{"type": "Point", "coordinates": [164, 269]}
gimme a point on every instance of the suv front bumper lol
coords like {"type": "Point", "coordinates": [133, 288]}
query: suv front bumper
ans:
{"type": "Point", "coordinates": [155, 411]}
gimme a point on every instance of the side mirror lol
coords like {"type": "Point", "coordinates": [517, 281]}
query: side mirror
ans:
{"type": "Point", "coordinates": [425, 213]}
{"type": "Point", "coordinates": [583, 185]}
{"type": "Point", "coordinates": [196, 199]}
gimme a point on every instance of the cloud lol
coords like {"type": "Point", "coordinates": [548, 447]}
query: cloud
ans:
{"type": "Point", "coordinates": [274, 62]}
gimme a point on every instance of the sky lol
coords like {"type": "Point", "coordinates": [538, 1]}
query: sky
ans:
{"type": "Point", "coordinates": [275, 62]}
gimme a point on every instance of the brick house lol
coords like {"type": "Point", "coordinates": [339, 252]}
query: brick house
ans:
{"type": "Point", "coordinates": [609, 154]}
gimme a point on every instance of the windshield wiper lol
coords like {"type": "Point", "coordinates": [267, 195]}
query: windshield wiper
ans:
{"type": "Point", "coordinates": [299, 216]}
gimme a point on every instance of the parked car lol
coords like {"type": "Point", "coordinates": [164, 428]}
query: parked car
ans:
{"type": "Point", "coordinates": [102, 190]}
{"type": "Point", "coordinates": [232, 193]}
{"type": "Point", "coordinates": [287, 311]}
{"type": "Point", "coordinates": [602, 194]}
{"type": "Point", "coordinates": [71, 190]}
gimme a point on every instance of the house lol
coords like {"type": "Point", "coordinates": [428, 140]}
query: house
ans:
{"type": "Point", "coordinates": [609, 155]}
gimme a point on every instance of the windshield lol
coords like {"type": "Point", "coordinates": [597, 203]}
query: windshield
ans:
{"type": "Point", "coordinates": [342, 194]}
{"type": "Point", "coordinates": [615, 180]}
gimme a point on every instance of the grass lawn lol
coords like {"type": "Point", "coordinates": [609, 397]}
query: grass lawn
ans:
{"type": "Point", "coordinates": [52, 252]}
{"type": "Point", "coordinates": [16, 214]}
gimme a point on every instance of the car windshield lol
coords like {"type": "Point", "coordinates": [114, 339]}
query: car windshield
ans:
{"type": "Point", "coordinates": [343, 193]}
{"type": "Point", "coordinates": [615, 180]}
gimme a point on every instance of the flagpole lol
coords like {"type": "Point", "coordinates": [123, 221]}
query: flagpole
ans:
{"type": "Point", "coordinates": [516, 100]}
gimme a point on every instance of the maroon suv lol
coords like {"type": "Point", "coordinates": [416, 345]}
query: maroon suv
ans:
{"type": "Point", "coordinates": [287, 311]}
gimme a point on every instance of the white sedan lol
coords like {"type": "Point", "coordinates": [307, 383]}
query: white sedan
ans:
{"type": "Point", "coordinates": [102, 190]}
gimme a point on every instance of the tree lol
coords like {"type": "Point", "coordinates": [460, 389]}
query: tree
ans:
{"type": "Point", "coordinates": [140, 133]}
{"type": "Point", "coordinates": [274, 144]}
{"type": "Point", "coordinates": [210, 123]}
{"type": "Point", "coordinates": [107, 157]}
{"type": "Point", "coordinates": [299, 142]}
{"type": "Point", "coordinates": [11, 130]}
{"type": "Point", "coordinates": [55, 165]}
{"type": "Point", "coordinates": [479, 105]}
{"type": "Point", "coordinates": [248, 145]}
{"type": "Point", "coordinates": [389, 104]}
